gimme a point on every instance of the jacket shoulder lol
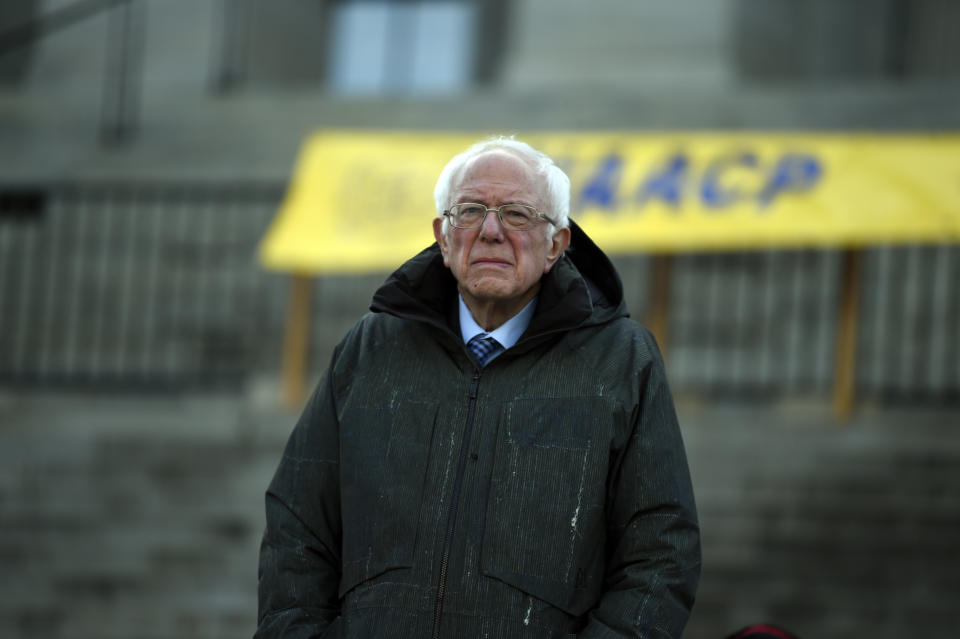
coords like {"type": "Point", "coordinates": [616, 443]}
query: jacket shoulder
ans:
{"type": "Point", "coordinates": [370, 331]}
{"type": "Point", "coordinates": [626, 337]}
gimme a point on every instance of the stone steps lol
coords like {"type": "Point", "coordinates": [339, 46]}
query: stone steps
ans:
{"type": "Point", "coordinates": [142, 516]}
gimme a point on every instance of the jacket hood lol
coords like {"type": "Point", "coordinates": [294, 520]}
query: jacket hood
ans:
{"type": "Point", "coordinates": [582, 289]}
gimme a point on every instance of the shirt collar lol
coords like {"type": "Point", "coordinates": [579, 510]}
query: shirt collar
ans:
{"type": "Point", "coordinates": [507, 334]}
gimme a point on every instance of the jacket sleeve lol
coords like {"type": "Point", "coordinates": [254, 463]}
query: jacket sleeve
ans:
{"type": "Point", "coordinates": [653, 539]}
{"type": "Point", "coordinates": [299, 571]}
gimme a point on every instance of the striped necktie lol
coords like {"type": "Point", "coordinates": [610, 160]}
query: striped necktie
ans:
{"type": "Point", "coordinates": [484, 348]}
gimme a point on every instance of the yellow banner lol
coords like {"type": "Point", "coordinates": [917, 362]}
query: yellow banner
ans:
{"type": "Point", "coordinates": [363, 201]}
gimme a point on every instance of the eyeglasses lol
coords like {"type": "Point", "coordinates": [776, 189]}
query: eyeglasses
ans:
{"type": "Point", "coordinates": [514, 217]}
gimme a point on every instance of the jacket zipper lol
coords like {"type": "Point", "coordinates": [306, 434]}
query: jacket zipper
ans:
{"type": "Point", "coordinates": [452, 516]}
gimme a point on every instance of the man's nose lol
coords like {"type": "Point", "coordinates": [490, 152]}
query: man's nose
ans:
{"type": "Point", "coordinates": [491, 228]}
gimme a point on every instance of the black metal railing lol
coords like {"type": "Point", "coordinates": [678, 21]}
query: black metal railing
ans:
{"type": "Point", "coordinates": [133, 285]}
{"type": "Point", "coordinates": [154, 285]}
{"type": "Point", "coordinates": [765, 323]}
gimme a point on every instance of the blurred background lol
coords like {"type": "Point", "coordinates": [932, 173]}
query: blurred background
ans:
{"type": "Point", "coordinates": [145, 146]}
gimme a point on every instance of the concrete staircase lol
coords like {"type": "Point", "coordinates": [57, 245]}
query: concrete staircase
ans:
{"type": "Point", "coordinates": [140, 516]}
{"type": "Point", "coordinates": [131, 517]}
{"type": "Point", "coordinates": [830, 530]}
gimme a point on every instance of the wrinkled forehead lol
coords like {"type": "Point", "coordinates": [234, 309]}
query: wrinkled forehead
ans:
{"type": "Point", "coordinates": [501, 175]}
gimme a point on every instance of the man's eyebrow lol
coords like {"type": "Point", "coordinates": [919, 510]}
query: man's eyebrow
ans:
{"type": "Point", "coordinates": [483, 200]}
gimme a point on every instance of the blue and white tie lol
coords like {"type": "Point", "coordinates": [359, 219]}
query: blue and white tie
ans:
{"type": "Point", "coordinates": [484, 347]}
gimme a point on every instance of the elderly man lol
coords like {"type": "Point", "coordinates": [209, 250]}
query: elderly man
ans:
{"type": "Point", "coordinates": [493, 452]}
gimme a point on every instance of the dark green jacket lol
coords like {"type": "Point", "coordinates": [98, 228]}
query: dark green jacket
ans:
{"type": "Point", "coordinates": [546, 495]}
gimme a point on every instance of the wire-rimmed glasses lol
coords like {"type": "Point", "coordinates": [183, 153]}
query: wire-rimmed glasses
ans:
{"type": "Point", "coordinates": [513, 217]}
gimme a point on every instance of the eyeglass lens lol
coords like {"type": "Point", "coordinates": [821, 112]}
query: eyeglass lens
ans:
{"type": "Point", "coordinates": [515, 216]}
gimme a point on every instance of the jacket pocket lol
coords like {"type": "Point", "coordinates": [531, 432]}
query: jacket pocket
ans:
{"type": "Point", "coordinates": [545, 529]}
{"type": "Point", "coordinates": [384, 450]}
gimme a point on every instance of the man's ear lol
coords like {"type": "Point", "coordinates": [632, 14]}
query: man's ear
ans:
{"type": "Point", "coordinates": [558, 244]}
{"type": "Point", "coordinates": [441, 238]}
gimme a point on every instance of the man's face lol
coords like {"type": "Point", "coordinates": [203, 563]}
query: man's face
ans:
{"type": "Point", "coordinates": [493, 266]}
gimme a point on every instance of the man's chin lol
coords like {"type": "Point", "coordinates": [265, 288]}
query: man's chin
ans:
{"type": "Point", "coordinates": [490, 290]}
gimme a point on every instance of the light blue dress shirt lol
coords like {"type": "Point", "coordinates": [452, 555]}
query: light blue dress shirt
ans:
{"type": "Point", "coordinates": [507, 334]}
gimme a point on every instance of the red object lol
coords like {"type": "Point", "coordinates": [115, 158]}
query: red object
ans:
{"type": "Point", "coordinates": [759, 631]}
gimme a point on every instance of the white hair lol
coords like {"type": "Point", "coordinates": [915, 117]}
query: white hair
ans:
{"type": "Point", "coordinates": [554, 179]}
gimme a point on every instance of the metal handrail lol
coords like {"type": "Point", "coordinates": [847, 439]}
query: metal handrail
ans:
{"type": "Point", "coordinates": [119, 103]}
{"type": "Point", "coordinates": [42, 26]}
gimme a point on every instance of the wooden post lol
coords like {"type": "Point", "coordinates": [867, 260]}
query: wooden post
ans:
{"type": "Point", "coordinates": [846, 345]}
{"type": "Point", "coordinates": [296, 340]}
{"type": "Point", "coordinates": [658, 316]}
